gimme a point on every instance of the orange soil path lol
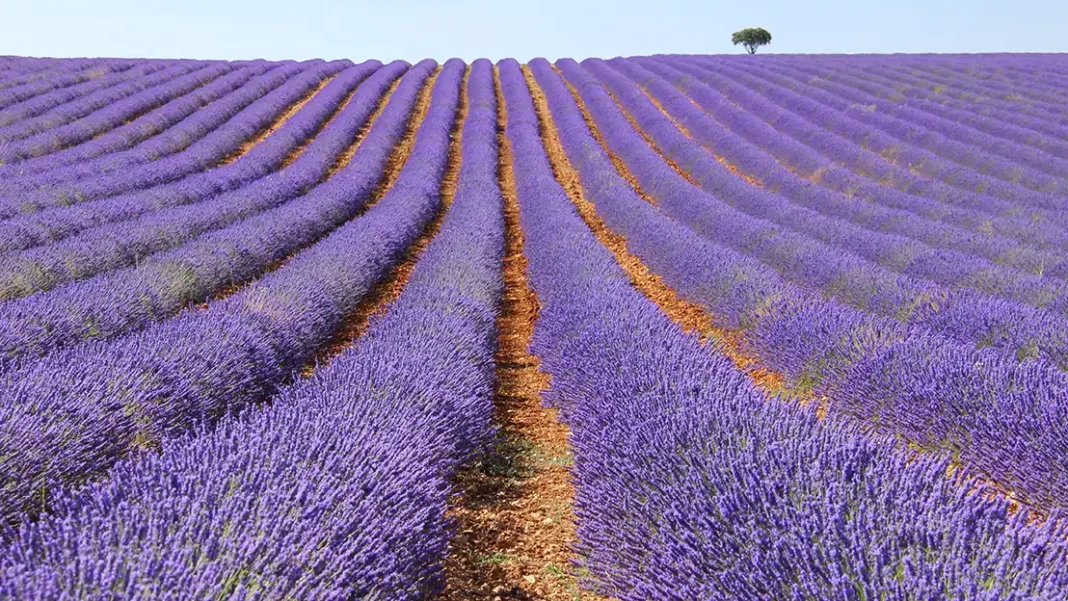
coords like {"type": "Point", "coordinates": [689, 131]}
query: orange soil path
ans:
{"type": "Point", "coordinates": [514, 507]}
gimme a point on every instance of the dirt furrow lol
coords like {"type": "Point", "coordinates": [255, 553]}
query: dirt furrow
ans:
{"type": "Point", "coordinates": [279, 121]}
{"type": "Point", "coordinates": [343, 160]}
{"type": "Point", "coordinates": [645, 136]}
{"type": "Point", "coordinates": [386, 290]}
{"type": "Point", "coordinates": [690, 316]}
{"type": "Point", "coordinates": [299, 150]}
{"type": "Point", "coordinates": [514, 507]}
{"type": "Point", "coordinates": [730, 342]}
{"type": "Point", "coordinates": [346, 157]}
{"type": "Point", "coordinates": [621, 167]}
{"type": "Point", "coordinates": [660, 107]}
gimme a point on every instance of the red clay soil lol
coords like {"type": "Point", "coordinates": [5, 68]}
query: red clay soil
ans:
{"type": "Point", "coordinates": [514, 505]}
{"type": "Point", "coordinates": [386, 290]}
{"type": "Point", "coordinates": [343, 160]}
{"type": "Point", "coordinates": [279, 121]}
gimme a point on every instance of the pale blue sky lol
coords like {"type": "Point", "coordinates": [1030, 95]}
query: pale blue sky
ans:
{"type": "Point", "coordinates": [413, 29]}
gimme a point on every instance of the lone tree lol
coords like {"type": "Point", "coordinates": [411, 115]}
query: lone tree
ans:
{"type": "Point", "coordinates": [752, 38]}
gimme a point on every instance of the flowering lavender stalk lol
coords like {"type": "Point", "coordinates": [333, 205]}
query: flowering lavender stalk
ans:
{"type": "Point", "coordinates": [148, 125]}
{"type": "Point", "coordinates": [1013, 99]}
{"type": "Point", "coordinates": [908, 98]}
{"type": "Point", "coordinates": [128, 242]}
{"type": "Point", "coordinates": [876, 156]}
{"type": "Point", "coordinates": [925, 108]}
{"type": "Point", "coordinates": [779, 181]}
{"type": "Point", "coordinates": [1030, 231]}
{"type": "Point", "coordinates": [33, 229]}
{"type": "Point", "coordinates": [870, 165]}
{"type": "Point", "coordinates": [822, 344]}
{"type": "Point", "coordinates": [25, 175]}
{"type": "Point", "coordinates": [57, 190]}
{"type": "Point", "coordinates": [340, 488]}
{"type": "Point", "coordinates": [60, 97]}
{"type": "Point", "coordinates": [97, 113]}
{"type": "Point", "coordinates": [693, 485]}
{"type": "Point", "coordinates": [54, 76]}
{"type": "Point", "coordinates": [72, 414]}
{"type": "Point", "coordinates": [785, 237]}
{"type": "Point", "coordinates": [1055, 267]}
{"type": "Point", "coordinates": [949, 141]}
{"type": "Point", "coordinates": [115, 302]}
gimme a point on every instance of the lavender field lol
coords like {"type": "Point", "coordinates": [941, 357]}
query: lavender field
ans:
{"type": "Point", "coordinates": [785, 327]}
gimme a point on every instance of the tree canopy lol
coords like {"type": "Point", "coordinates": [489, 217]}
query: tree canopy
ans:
{"type": "Point", "coordinates": [752, 38]}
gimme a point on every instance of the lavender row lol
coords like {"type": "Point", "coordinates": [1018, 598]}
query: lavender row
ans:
{"type": "Point", "coordinates": [979, 99]}
{"type": "Point", "coordinates": [948, 267]}
{"type": "Point", "coordinates": [1026, 228]}
{"type": "Point", "coordinates": [20, 66]}
{"type": "Point", "coordinates": [810, 264]}
{"type": "Point", "coordinates": [25, 176]}
{"type": "Point", "coordinates": [873, 216]}
{"type": "Point", "coordinates": [984, 141]}
{"type": "Point", "coordinates": [249, 180]}
{"type": "Point", "coordinates": [1034, 93]}
{"type": "Point", "coordinates": [65, 105]}
{"type": "Point", "coordinates": [952, 89]}
{"type": "Point", "coordinates": [981, 240]}
{"type": "Point", "coordinates": [102, 111]}
{"type": "Point", "coordinates": [25, 69]}
{"type": "Point", "coordinates": [850, 356]}
{"type": "Point", "coordinates": [1034, 225]}
{"type": "Point", "coordinates": [972, 102]}
{"type": "Point", "coordinates": [42, 82]}
{"type": "Point", "coordinates": [1035, 74]}
{"type": "Point", "coordinates": [124, 242]}
{"type": "Point", "coordinates": [768, 228]}
{"type": "Point", "coordinates": [947, 138]}
{"type": "Point", "coordinates": [13, 68]}
{"type": "Point", "coordinates": [292, 213]}
{"type": "Point", "coordinates": [925, 123]}
{"type": "Point", "coordinates": [930, 108]}
{"type": "Point", "coordinates": [148, 125]}
{"type": "Point", "coordinates": [985, 95]}
{"type": "Point", "coordinates": [205, 153]}
{"type": "Point", "coordinates": [74, 413]}
{"type": "Point", "coordinates": [879, 156]}
{"type": "Point", "coordinates": [17, 68]}
{"type": "Point", "coordinates": [59, 98]}
{"type": "Point", "coordinates": [692, 485]}
{"type": "Point", "coordinates": [370, 442]}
